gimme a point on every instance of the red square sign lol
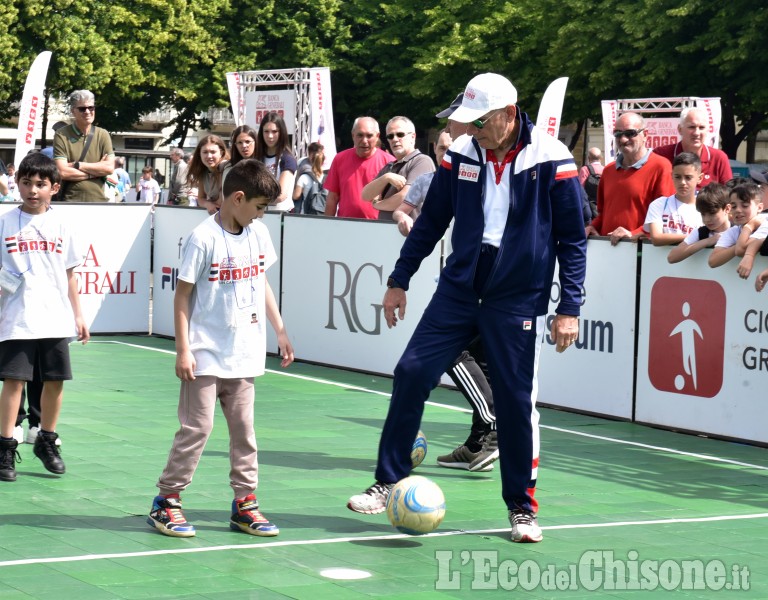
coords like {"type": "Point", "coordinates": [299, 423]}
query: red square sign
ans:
{"type": "Point", "coordinates": [687, 336]}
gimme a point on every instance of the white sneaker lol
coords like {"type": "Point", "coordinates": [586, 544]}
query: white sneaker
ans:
{"type": "Point", "coordinates": [18, 434]}
{"type": "Point", "coordinates": [32, 436]}
{"type": "Point", "coordinates": [525, 527]}
{"type": "Point", "coordinates": [373, 500]}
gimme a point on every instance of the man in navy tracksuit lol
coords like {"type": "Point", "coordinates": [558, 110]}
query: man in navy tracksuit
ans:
{"type": "Point", "coordinates": [514, 193]}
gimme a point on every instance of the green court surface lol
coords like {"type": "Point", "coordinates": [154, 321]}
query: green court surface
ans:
{"type": "Point", "coordinates": [623, 507]}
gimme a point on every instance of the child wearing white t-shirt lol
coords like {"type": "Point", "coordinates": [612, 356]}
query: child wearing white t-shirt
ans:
{"type": "Point", "coordinates": [714, 207]}
{"type": "Point", "coordinates": [39, 309]}
{"type": "Point", "coordinates": [746, 204]}
{"type": "Point", "coordinates": [671, 219]}
{"type": "Point", "coordinates": [147, 188]}
{"type": "Point", "coordinates": [221, 306]}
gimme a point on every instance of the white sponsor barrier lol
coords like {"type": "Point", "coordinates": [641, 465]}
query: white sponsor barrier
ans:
{"type": "Point", "coordinates": [113, 280]}
{"type": "Point", "coordinates": [173, 224]}
{"type": "Point", "coordinates": [596, 373]}
{"type": "Point", "coordinates": [334, 276]}
{"type": "Point", "coordinates": [703, 350]}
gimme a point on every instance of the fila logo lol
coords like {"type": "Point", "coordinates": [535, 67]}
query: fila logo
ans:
{"type": "Point", "coordinates": [469, 172]}
{"type": "Point", "coordinates": [687, 336]}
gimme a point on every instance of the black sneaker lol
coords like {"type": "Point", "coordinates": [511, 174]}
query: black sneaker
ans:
{"type": "Point", "coordinates": [48, 452]}
{"type": "Point", "coordinates": [9, 456]}
{"type": "Point", "coordinates": [488, 454]}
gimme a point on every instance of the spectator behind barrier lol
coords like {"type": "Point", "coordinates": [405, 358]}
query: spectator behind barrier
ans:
{"type": "Point", "coordinates": [714, 206]}
{"type": "Point", "coordinates": [746, 204]}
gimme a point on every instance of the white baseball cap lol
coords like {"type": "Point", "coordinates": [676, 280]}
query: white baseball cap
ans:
{"type": "Point", "coordinates": [484, 93]}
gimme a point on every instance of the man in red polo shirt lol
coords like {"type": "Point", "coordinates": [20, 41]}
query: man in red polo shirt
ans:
{"type": "Point", "coordinates": [694, 130]}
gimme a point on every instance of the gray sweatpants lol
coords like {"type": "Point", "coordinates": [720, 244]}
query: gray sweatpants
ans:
{"type": "Point", "coordinates": [197, 401]}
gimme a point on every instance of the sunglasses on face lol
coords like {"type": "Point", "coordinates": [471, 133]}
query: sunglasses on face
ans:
{"type": "Point", "coordinates": [83, 109]}
{"type": "Point", "coordinates": [480, 123]}
{"type": "Point", "coordinates": [628, 133]}
{"type": "Point", "coordinates": [400, 134]}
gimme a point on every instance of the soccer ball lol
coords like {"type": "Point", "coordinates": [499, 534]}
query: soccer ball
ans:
{"type": "Point", "coordinates": [416, 505]}
{"type": "Point", "coordinates": [419, 450]}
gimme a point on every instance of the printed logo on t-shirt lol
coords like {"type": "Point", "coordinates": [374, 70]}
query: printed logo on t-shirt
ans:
{"type": "Point", "coordinates": [687, 336]}
{"type": "Point", "coordinates": [469, 172]}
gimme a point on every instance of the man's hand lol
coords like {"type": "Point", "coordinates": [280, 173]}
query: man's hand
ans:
{"type": "Point", "coordinates": [589, 230]}
{"type": "Point", "coordinates": [565, 331]}
{"type": "Point", "coordinates": [395, 180]}
{"type": "Point", "coordinates": [618, 234]}
{"type": "Point", "coordinates": [404, 222]}
{"type": "Point", "coordinates": [394, 299]}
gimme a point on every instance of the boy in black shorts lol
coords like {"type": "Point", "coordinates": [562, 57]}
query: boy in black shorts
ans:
{"type": "Point", "coordinates": [39, 309]}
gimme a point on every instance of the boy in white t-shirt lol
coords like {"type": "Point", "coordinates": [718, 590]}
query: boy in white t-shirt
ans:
{"type": "Point", "coordinates": [671, 219]}
{"type": "Point", "coordinates": [714, 206]}
{"type": "Point", "coordinates": [222, 302]}
{"type": "Point", "coordinates": [746, 203]}
{"type": "Point", "coordinates": [39, 309]}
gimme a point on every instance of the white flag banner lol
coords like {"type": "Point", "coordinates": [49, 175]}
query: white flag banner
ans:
{"type": "Point", "coordinates": [321, 113]}
{"type": "Point", "coordinates": [32, 105]}
{"type": "Point", "coordinates": [551, 109]}
{"type": "Point", "coordinates": [236, 98]}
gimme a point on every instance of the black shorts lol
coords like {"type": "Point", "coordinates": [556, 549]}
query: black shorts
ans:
{"type": "Point", "coordinates": [18, 359]}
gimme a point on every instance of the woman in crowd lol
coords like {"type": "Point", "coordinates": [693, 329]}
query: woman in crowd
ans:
{"type": "Point", "coordinates": [272, 150]}
{"type": "Point", "coordinates": [242, 145]}
{"type": "Point", "coordinates": [205, 171]}
{"type": "Point", "coordinates": [308, 194]}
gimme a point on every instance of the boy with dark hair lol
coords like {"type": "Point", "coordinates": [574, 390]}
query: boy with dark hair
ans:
{"type": "Point", "coordinates": [222, 297]}
{"type": "Point", "coordinates": [713, 204]}
{"type": "Point", "coordinates": [671, 218]}
{"type": "Point", "coordinates": [746, 204]}
{"type": "Point", "coordinates": [39, 310]}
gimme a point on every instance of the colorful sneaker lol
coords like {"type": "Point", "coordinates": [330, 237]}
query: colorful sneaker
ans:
{"type": "Point", "coordinates": [9, 456]}
{"type": "Point", "coordinates": [167, 518]}
{"type": "Point", "coordinates": [525, 528]}
{"type": "Point", "coordinates": [488, 454]}
{"type": "Point", "coordinates": [461, 458]}
{"type": "Point", "coordinates": [247, 517]}
{"type": "Point", "coordinates": [373, 500]}
{"type": "Point", "coordinates": [48, 452]}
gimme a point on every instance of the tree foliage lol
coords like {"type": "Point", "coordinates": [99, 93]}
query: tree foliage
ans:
{"type": "Point", "coordinates": [397, 57]}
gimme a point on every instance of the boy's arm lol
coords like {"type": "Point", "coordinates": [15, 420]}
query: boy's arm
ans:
{"type": "Point", "coordinates": [746, 231]}
{"type": "Point", "coordinates": [745, 266]}
{"type": "Point", "coordinates": [273, 314]}
{"type": "Point", "coordinates": [720, 256]}
{"type": "Point", "coordinates": [83, 335]}
{"type": "Point", "coordinates": [185, 362]}
{"type": "Point", "coordinates": [659, 238]}
{"type": "Point", "coordinates": [683, 250]}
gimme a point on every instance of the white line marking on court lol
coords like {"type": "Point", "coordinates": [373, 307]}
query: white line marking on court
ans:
{"type": "Point", "coordinates": [368, 538]}
{"type": "Point", "coordinates": [705, 457]}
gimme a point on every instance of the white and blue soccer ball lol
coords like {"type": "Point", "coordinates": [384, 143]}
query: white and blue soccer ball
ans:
{"type": "Point", "coordinates": [419, 450]}
{"type": "Point", "coordinates": [416, 505]}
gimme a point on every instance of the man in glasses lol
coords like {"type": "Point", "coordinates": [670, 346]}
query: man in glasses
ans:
{"type": "Point", "coordinates": [178, 192]}
{"type": "Point", "coordinates": [392, 183]}
{"type": "Point", "coordinates": [694, 131]}
{"type": "Point", "coordinates": [352, 169]}
{"type": "Point", "coordinates": [513, 193]}
{"type": "Point", "coordinates": [628, 185]}
{"type": "Point", "coordinates": [83, 152]}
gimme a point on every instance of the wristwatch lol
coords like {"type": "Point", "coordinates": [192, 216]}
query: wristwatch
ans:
{"type": "Point", "coordinates": [391, 283]}
{"type": "Point", "coordinates": [77, 165]}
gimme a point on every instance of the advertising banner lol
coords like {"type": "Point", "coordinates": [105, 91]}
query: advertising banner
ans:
{"type": "Point", "coordinates": [321, 113]}
{"type": "Point", "coordinates": [702, 361]}
{"type": "Point", "coordinates": [32, 106]}
{"type": "Point", "coordinates": [334, 278]}
{"type": "Point", "coordinates": [596, 373]}
{"type": "Point", "coordinates": [260, 102]}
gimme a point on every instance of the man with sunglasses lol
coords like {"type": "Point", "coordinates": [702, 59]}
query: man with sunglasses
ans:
{"type": "Point", "coordinates": [629, 185]}
{"type": "Point", "coordinates": [392, 183]}
{"type": "Point", "coordinates": [83, 153]}
{"type": "Point", "coordinates": [513, 193]}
